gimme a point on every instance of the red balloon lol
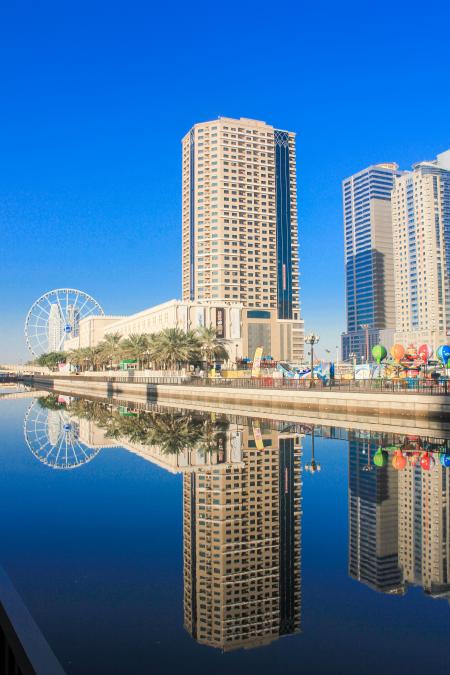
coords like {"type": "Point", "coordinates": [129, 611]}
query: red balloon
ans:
{"type": "Point", "coordinates": [427, 461]}
{"type": "Point", "coordinates": [425, 352]}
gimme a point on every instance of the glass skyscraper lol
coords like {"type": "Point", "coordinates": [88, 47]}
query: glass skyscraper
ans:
{"type": "Point", "coordinates": [369, 265]}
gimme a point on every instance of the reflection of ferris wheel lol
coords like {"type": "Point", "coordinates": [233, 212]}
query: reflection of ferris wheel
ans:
{"type": "Point", "coordinates": [55, 317]}
{"type": "Point", "coordinates": [53, 437]}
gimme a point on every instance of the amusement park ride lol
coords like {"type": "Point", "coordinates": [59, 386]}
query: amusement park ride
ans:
{"type": "Point", "coordinates": [55, 317]}
{"type": "Point", "coordinates": [409, 362]}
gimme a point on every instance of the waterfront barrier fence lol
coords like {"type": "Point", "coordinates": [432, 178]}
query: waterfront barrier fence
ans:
{"type": "Point", "coordinates": [397, 386]}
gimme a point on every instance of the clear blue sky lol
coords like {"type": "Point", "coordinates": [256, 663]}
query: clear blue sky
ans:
{"type": "Point", "coordinates": [95, 97]}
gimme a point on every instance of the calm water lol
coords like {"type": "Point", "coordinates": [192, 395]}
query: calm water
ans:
{"type": "Point", "coordinates": [164, 541]}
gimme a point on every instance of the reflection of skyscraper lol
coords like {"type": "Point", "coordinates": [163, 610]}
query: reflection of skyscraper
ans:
{"type": "Point", "coordinates": [55, 329]}
{"type": "Point", "coordinates": [373, 533]}
{"type": "Point", "coordinates": [54, 424]}
{"type": "Point", "coordinates": [424, 537]}
{"type": "Point", "coordinates": [242, 545]}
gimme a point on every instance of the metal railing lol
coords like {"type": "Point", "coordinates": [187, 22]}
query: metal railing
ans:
{"type": "Point", "coordinates": [397, 386]}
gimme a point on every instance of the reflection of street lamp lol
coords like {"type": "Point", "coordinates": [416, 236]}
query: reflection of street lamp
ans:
{"type": "Point", "coordinates": [368, 466]}
{"type": "Point", "coordinates": [313, 466]}
{"type": "Point", "coordinates": [365, 327]}
{"type": "Point", "coordinates": [312, 339]}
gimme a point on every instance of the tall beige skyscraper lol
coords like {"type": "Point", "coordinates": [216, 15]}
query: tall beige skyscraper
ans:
{"type": "Point", "coordinates": [240, 240]}
{"type": "Point", "coordinates": [421, 236]}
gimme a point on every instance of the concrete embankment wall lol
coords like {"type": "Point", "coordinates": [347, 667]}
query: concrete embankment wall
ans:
{"type": "Point", "coordinates": [410, 410]}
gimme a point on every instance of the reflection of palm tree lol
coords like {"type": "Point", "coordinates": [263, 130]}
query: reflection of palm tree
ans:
{"type": "Point", "coordinates": [175, 432]}
{"type": "Point", "coordinates": [210, 434]}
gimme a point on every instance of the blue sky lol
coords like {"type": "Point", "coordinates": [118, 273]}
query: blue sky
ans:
{"type": "Point", "coordinates": [95, 97]}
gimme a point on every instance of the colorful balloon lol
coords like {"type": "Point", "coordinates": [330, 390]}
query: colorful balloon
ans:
{"type": "Point", "coordinates": [397, 352]}
{"type": "Point", "coordinates": [439, 353]}
{"type": "Point", "coordinates": [398, 461]}
{"type": "Point", "coordinates": [379, 353]}
{"type": "Point", "coordinates": [425, 352]}
{"type": "Point", "coordinates": [427, 461]}
{"type": "Point", "coordinates": [380, 457]}
{"type": "Point", "coordinates": [445, 353]}
{"type": "Point", "coordinates": [445, 460]}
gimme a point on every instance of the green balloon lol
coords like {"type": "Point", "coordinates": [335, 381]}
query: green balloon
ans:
{"type": "Point", "coordinates": [380, 458]}
{"type": "Point", "coordinates": [379, 353]}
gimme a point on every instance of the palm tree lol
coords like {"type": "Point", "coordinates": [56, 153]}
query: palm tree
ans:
{"type": "Point", "coordinates": [75, 357]}
{"type": "Point", "coordinates": [212, 347]}
{"type": "Point", "coordinates": [110, 348]}
{"type": "Point", "coordinates": [84, 357]}
{"type": "Point", "coordinates": [173, 347]}
{"type": "Point", "coordinates": [135, 346]}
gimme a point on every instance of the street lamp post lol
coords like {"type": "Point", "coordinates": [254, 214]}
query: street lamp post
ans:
{"type": "Point", "coordinates": [312, 339]}
{"type": "Point", "coordinates": [352, 355]}
{"type": "Point", "coordinates": [365, 327]}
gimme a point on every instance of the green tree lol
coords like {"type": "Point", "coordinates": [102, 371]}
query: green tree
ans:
{"type": "Point", "coordinates": [135, 346]}
{"type": "Point", "coordinates": [110, 349]}
{"type": "Point", "coordinates": [173, 347]}
{"type": "Point", "coordinates": [212, 348]}
{"type": "Point", "coordinates": [51, 359]}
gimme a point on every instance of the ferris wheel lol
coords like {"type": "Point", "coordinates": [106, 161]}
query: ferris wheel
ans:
{"type": "Point", "coordinates": [55, 317]}
{"type": "Point", "coordinates": [53, 438]}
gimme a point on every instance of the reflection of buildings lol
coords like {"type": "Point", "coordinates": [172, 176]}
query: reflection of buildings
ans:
{"type": "Point", "coordinates": [398, 524]}
{"type": "Point", "coordinates": [424, 541]}
{"type": "Point", "coordinates": [373, 532]}
{"type": "Point", "coordinates": [55, 329]}
{"type": "Point", "coordinates": [242, 545]}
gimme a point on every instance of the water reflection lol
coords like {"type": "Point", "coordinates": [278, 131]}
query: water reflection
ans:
{"type": "Point", "coordinates": [399, 515]}
{"type": "Point", "coordinates": [242, 543]}
{"type": "Point", "coordinates": [53, 436]}
{"type": "Point", "coordinates": [242, 509]}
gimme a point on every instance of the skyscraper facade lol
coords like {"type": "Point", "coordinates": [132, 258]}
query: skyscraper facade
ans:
{"type": "Point", "coordinates": [55, 329]}
{"type": "Point", "coordinates": [239, 219]}
{"type": "Point", "coordinates": [369, 266]}
{"type": "Point", "coordinates": [421, 234]}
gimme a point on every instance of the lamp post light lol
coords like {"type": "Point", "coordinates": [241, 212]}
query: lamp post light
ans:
{"type": "Point", "coordinates": [312, 339]}
{"type": "Point", "coordinates": [352, 355]}
{"type": "Point", "coordinates": [313, 466]}
{"type": "Point", "coordinates": [365, 327]}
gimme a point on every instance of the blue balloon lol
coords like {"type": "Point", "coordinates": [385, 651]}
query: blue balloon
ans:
{"type": "Point", "coordinates": [445, 352]}
{"type": "Point", "coordinates": [445, 460]}
{"type": "Point", "coordinates": [439, 353]}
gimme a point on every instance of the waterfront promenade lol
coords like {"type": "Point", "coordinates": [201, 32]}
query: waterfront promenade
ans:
{"type": "Point", "coordinates": [353, 402]}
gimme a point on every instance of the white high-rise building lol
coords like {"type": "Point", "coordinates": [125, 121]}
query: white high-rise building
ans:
{"type": "Point", "coordinates": [55, 329]}
{"type": "Point", "coordinates": [421, 236]}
